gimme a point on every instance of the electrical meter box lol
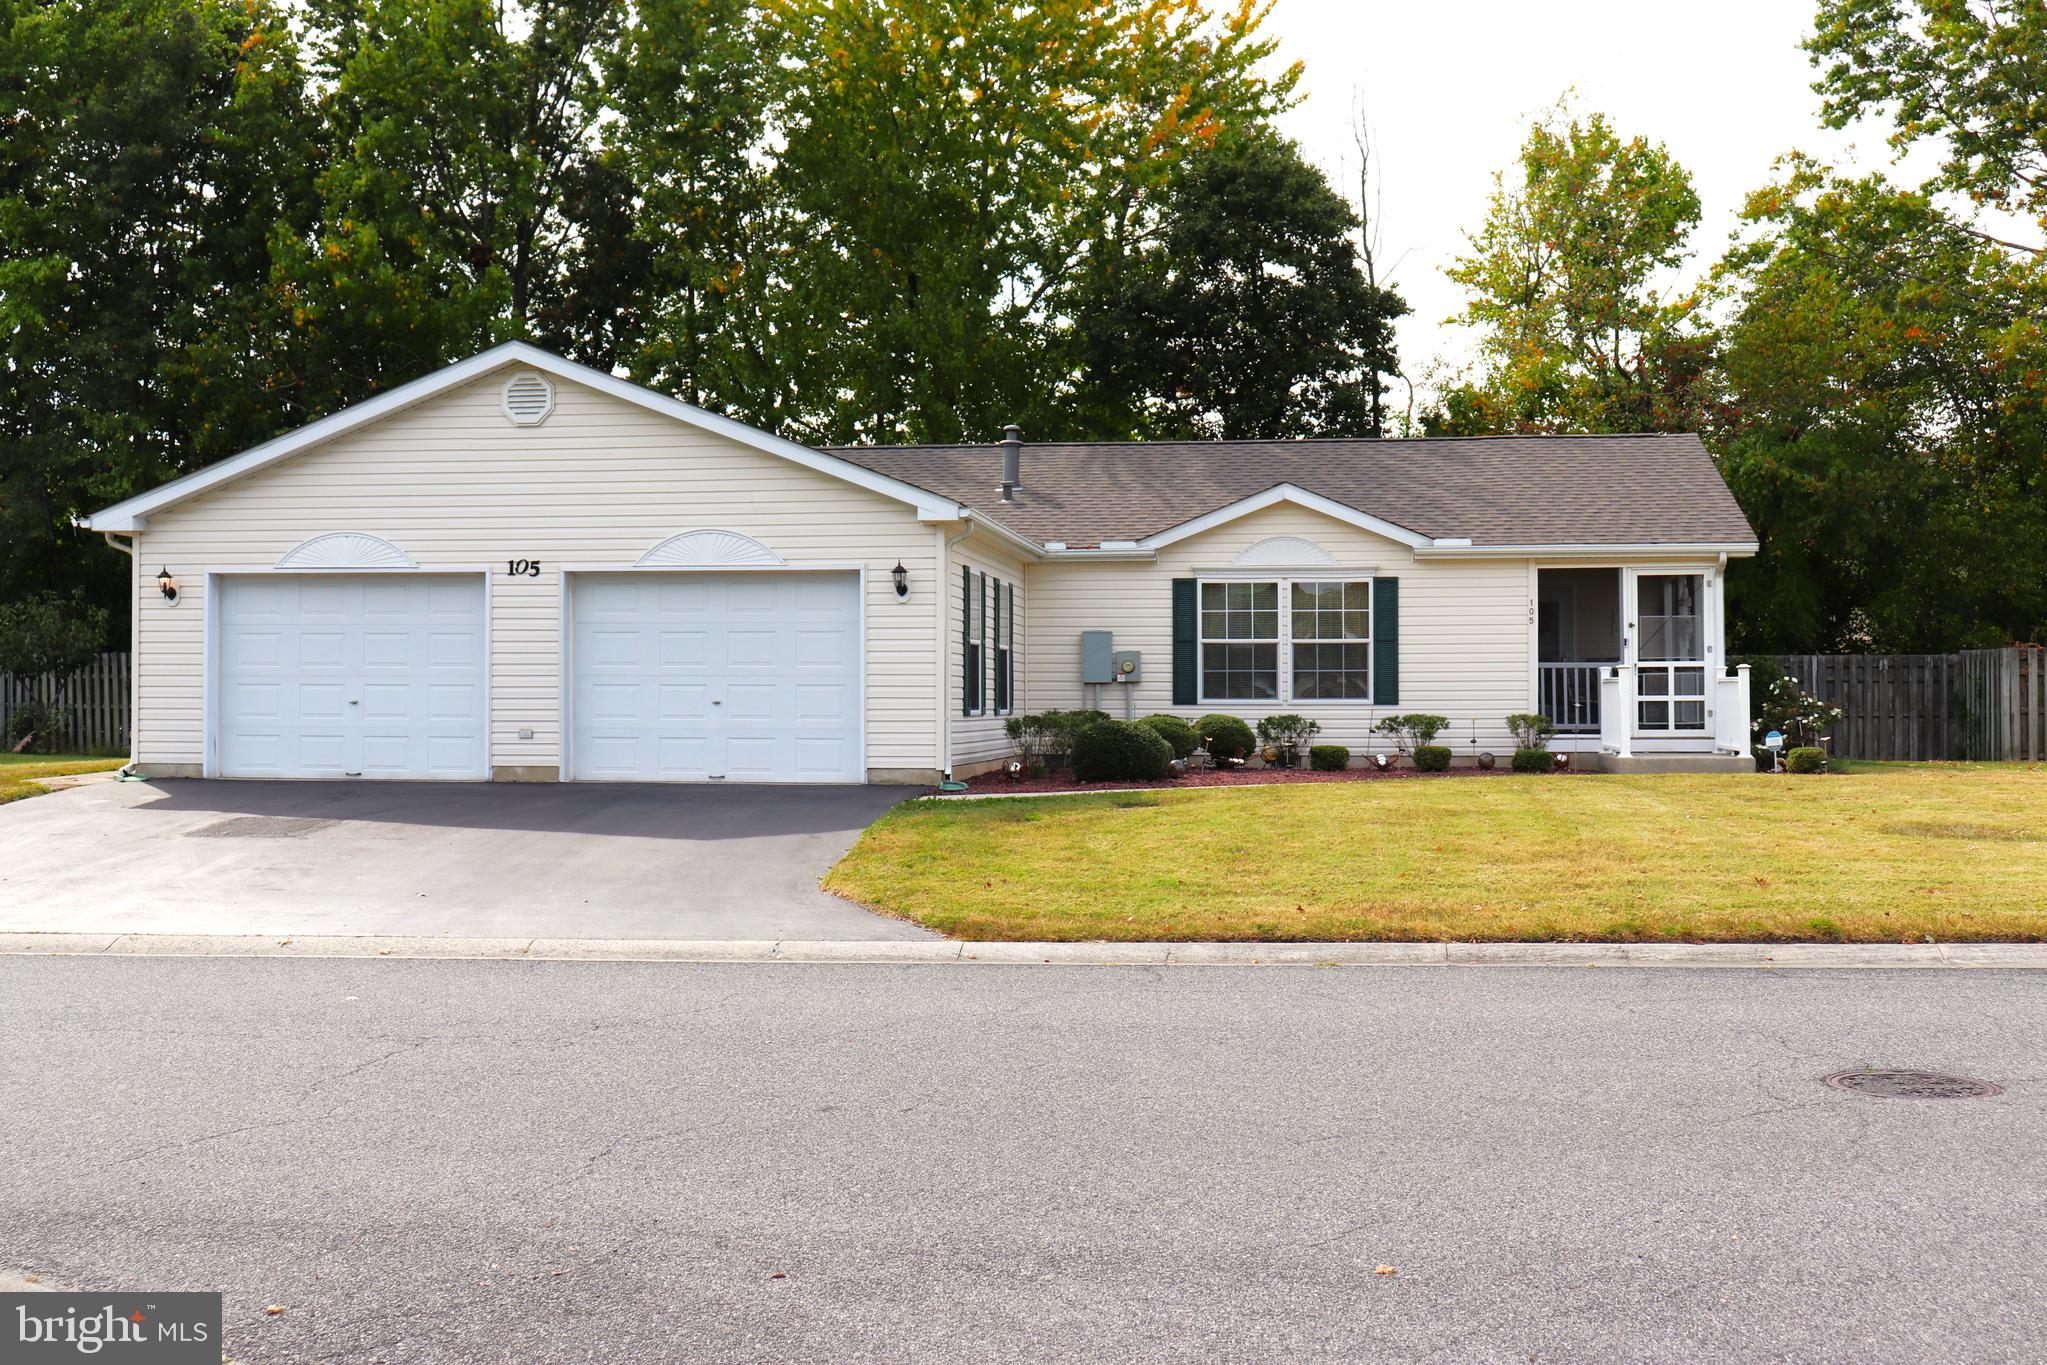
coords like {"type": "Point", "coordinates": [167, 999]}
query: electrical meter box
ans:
{"type": "Point", "coordinates": [1129, 665]}
{"type": "Point", "coordinates": [1096, 662]}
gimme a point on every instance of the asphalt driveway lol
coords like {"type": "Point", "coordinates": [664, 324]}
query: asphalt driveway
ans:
{"type": "Point", "coordinates": [553, 860]}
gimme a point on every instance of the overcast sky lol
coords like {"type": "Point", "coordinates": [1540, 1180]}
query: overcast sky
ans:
{"type": "Point", "coordinates": [1451, 87]}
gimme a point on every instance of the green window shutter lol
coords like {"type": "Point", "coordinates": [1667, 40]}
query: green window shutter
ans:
{"type": "Point", "coordinates": [1186, 647]}
{"type": "Point", "coordinates": [966, 639]}
{"type": "Point", "coordinates": [1386, 642]}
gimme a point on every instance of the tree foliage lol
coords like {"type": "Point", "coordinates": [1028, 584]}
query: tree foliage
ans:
{"type": "Point", "coordinates": [1568, 289]}
{"type": "Point", "coordinates": [1884, 422]}
{"type": "Point", "coordinates": [1969, 73]}
{"type": "Point", "coordinates": [1246, 314]}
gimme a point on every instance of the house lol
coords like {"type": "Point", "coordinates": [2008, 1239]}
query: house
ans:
{"type": "Point", "coordinates": [521, 569]}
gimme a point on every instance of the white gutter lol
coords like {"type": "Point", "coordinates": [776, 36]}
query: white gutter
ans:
{"type": "Point", "coordinates": [1580, 551]}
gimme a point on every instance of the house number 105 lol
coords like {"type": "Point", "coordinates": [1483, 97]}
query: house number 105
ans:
{"type": "Point", "coordinates": [523, 568]}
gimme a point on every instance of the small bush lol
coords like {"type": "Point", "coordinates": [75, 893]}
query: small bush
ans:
{"type": "Point", "coordinates": [1120, 751]}
{"type": "Point", "coordinates": [1533, 761]}
{"type": "Point", "coordinates": [1806, 760]}
{"type": "Point", "coordinates": [1046, 738]}
{"type": "Point", "coordinates": [1286, 734]}
{"type": "Point", "coordinates": [35, 722]}
{"type": "Point", "coordinates": [1175, 732]}
{"type": "Point", "coordinates": [1224, 737]}
{"type": "Point", "coordinates": [1413, 731]}
{"type": "Point", "coordinates": [1329, 758]}
{"type": "Point", "coordinates": [1530, 731]}
{"type": "Point", "coordinates": [1431, 758]}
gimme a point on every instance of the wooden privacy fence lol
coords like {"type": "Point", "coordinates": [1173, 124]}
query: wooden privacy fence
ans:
{"type": "Point", "coordinates": [95, 704]}
{"type": "Point", "coordinates": [1978, 704]}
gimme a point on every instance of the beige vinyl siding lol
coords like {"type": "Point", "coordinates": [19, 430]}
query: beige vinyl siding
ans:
{"type": "Point", "coordinates": [455, 485]}
{"type": "Point", "coordinates": [1464, 628]}
{"type": "Point", "coordinates": [982, 739]}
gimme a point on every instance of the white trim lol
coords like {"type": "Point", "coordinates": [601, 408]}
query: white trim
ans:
{"type": "Point", "coordinates": [565, 765]}
{"type": "Point", "coordinates": [709, 548]}
{"type": "Point", "coordinates": [209, 649]}
{"type": "Point", "coordinates": [1583, 550]}
{"type": "Point", "coordinates": [1278, 493]}
{"type": "Point", "coordinates": [132, 514]}
{"type": "Point", "coordinates": [332, 551]}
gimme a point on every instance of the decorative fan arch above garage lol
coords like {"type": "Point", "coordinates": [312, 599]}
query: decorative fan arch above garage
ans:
{"type": "Point", "coordinates": [347, 550]}
{"type": "Point", "coordinates": [708, 549]}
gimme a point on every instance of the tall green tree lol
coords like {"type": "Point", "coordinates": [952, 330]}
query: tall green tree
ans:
{"type": "Point", "coordinates": [1247, 313]}
{"type": "Point", "coordinates": [1884, 423]}
{"type": "Point", "coordinates": [1970, 73]}
{"type": "Point", "coordinates": [954, 167]}
{"type": "Point", "coordinates": [465, 192]}
{"type": "Point", "coordinates": [1569, 289]}
{"type": "Point", "coordinates": [150, 149]}
{"type": "Point", "coordinates": [695, 86]}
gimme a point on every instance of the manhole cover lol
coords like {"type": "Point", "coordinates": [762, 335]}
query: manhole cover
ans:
{"type": "Point", "coordinates": [1913, 1085]}
{"type": "Point", "coordinates": [261, 827]}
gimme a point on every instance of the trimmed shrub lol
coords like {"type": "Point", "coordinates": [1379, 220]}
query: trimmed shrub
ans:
{"type": "Point", "coordinates": [1533, 761]}
{"type": "Point", "coordinates": [1224, 737]}
{"type": "Point", "coordinates": [1431, 758]}
{"type": "Point", "coordinates": [1806, 760]}
{"type": "Point", "coordinates": [1329, 758]}
{"type": "Point", "coordinates": [1120, 751]}
{"type": "Point", "coordinates": [1045, 738]}
{"type": "Point", "coordinates": [1175, 732]}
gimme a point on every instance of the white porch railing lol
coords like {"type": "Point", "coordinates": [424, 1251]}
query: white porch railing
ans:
{"type": "Point", "coordinates": [1617, 710]}
{"type": "Point", "coordinates": [1568, 693]}
{"type": "Point", "coordinates": [1731, 711]}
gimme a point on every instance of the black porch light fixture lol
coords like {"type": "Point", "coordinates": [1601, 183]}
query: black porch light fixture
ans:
{"type": "Point", "coordinates": [167, 585]}
{"type": "Point", "coordinates": [902, 577]}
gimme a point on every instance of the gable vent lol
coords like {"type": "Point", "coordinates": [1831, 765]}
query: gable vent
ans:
{"type": "Point", "coordinates": [529, 397]}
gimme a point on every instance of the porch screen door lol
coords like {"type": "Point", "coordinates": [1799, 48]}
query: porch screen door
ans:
{"type": "Point", "coordinates": [1671, 652]}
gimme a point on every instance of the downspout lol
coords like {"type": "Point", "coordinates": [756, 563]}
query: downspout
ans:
{"type": "Point", "coordinates": [134, 648]}
{"type": "Point", "coordinates": [944, 595]}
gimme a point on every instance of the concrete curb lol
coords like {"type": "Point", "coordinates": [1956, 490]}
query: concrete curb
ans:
{"type": "Point", "coordinates": [1865, 955]}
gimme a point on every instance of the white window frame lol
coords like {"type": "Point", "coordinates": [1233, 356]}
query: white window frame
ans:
{"type": "Point", "coordinates": [1284, 642]}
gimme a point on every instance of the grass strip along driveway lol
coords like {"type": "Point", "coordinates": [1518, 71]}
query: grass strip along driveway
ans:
{"type": "Point", "coordinates": [1887, 854]}
{"type": "Point", "coordinates": [18, 771]}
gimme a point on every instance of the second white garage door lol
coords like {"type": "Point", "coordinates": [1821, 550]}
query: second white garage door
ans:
{"type": "Point", "coordinates": [748, 677]}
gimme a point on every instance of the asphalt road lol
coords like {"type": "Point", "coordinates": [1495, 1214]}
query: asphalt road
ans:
{"type": "Point", "coordinates": [461, 1161]}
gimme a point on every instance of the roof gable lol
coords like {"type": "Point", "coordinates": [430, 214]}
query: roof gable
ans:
{"type": "Point", "coordinates": [132, 514]}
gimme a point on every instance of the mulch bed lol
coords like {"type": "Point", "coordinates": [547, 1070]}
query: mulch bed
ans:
{"type": "Point", "coordinates": [988, 784]}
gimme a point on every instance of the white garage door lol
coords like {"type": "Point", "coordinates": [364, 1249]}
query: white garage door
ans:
{"type": "Point", "coordinates": [328, 675]}
{"type": "Point", "coordinates": [750, 677]}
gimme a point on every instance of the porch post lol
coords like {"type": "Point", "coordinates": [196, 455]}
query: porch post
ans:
{"type": "Point", "coordinates": [1731, 711]}
{"type": "Point", "coordinates": [1617, 710]}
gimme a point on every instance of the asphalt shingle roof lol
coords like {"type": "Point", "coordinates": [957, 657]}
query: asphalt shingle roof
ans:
{"type": "Point", "coordinates": [1498, 490]}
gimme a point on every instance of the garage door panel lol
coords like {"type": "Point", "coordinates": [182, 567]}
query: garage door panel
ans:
{"type": "Point", "coordinates": [724, 659]}
{"type": "Point", "coordinates": [345, 675]}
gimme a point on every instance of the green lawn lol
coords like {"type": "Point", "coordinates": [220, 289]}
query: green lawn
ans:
{"type": "Point", "coordinates": [17, 770]}
{"type": "Point", "coordinates": [1883, 854]}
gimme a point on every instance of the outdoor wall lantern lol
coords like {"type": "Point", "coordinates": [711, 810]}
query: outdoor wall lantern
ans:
{"type": "Point", "coordinates": [167, 585]}
{"type": "Point", "coordinates": [902, 578]}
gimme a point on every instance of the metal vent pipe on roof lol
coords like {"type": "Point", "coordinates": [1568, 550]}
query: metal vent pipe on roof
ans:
{"type": "Point", "coordinates": [1012, 461]}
